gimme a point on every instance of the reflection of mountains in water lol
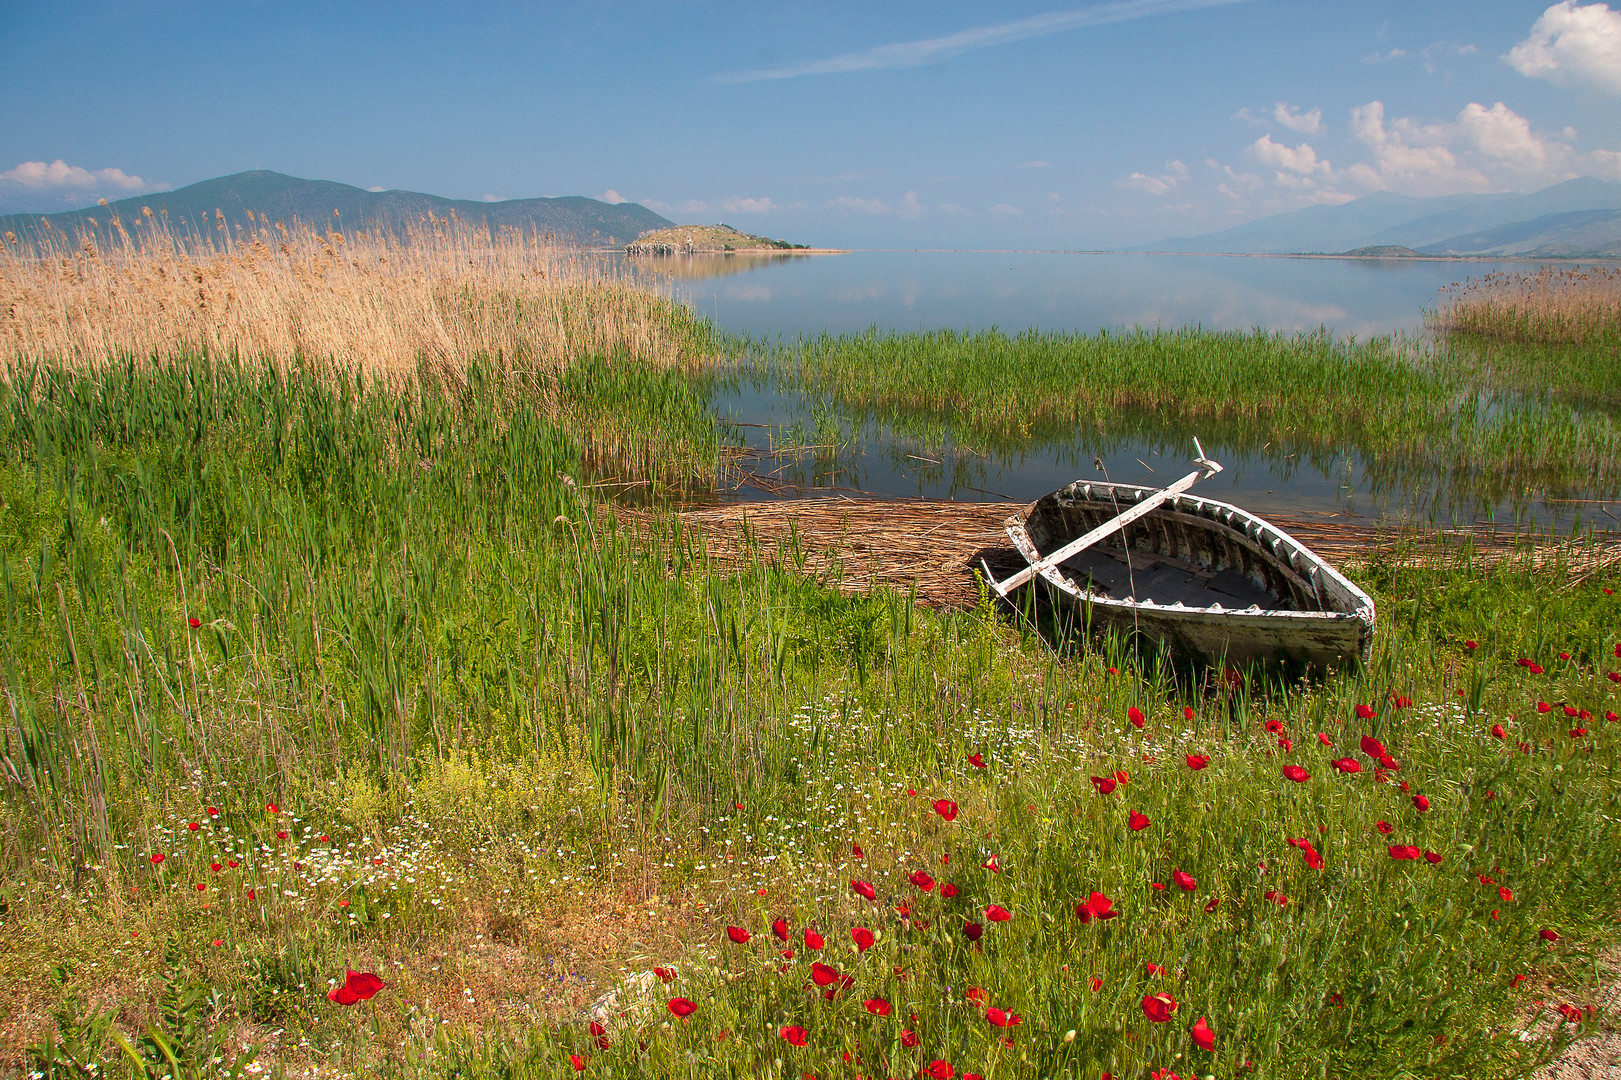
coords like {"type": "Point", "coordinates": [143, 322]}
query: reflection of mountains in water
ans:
{"type": "Point", "coordinates": [712, 265]}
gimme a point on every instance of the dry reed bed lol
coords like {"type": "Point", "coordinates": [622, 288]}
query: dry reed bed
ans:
{"type": "Point", "coordinates": [381, 303]}
{"type": "Point", "coordinates": [934, 546]}
{"type": "Point", "coordinates": [1553, 305]}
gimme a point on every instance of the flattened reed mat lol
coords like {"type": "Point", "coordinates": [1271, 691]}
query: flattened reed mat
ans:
{"type": "Point", "coordinates": [856, 543]}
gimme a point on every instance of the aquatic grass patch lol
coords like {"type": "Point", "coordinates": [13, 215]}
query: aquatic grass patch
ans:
{"type": "Point", "coordinates": [1416, 420]}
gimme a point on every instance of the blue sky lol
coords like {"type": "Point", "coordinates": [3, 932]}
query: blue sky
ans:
{"type": "Point", "coordinates": [943, 124]}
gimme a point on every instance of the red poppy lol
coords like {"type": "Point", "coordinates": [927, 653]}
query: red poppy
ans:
{"type": "Point", "coordinates": [1203, 1037]}
{"type": "Point", "coordinates": [357, 986]}
{"type": "Point", "coordinates": [1364, 712]}
{"type": "Point", "coordinates": [862, 937]}
{"type": "Point", "coordinates": [194, 623]}
{"type": "Point", "coordinates": [1548, 935]}
{"type": "Point", "coordinates": [665, 974]}
{"type": "Point", "coordinates": [1286, 744]}
{"type": "Point", "coordinates": [922, 880]}
{"type": "Point", "coordinates": [1276, 897]}
{"type": "Point", "coordinates": [976, 760]}
{"type": "Point", "coordinates": [1421, 803]}
{"type": "Point", "coordinates": [1433, 858]}
{"type": "Point", "coordinates": [948, 890]}
{"type": "Point", "coordinates": [1403, 851]}
{"type": "Point", "coordinates": [1096, 906]}
{"type": "Point", "coordinates": [821, 974]}
{"type": "Point", "coordinates": [577, 1061]}
{"type": "Point", "coordinates": [1187, 712]}
{"type": "Point", "coordinates": [1390, 763]}
{"type": "Point", "coordinates": [1158, 1007]}
{"type": "Point", "coordinates": [738, 935]}
{"type": "Point", "coordinates": [1372, 747]}
{"type": "Point", "coordinates": [996, 913]}
{"type": "Point", "coordinates": [1135, 715]}
{"type": "Point", "coordinates": [1104, 784]}
{"type": "Point", "coordinates": [793, 1035]}
{"type": "Point", "coordinates": [941, 1070]}
{"type": "Point", "coordinates": [1156, 886]}
{"type": "Point", "coordinates": [878, 1006]}
{"type": "Point", "coordinates": [1137, 822]}
{"type": "Point", "coordinates": [1096, 984]}
{"type": "Point", "coordinates": [1212, 904]}
{"type": "Point", "coordinates": [946, 809]}
{"type": "Point", "coordinates": [1003, 1019]}
{"type": "Point", "coordinates": [908, 1037]}
{"type": "Point", "coordinates": [1577, 732]}
{"type": "Point", "coordinates": [1402, 701]}
{"type": "Point", "coordinates": [1544, 707]}
{"type": "Point", "coordinates": [272, 808]}
{"type": "Point", "coordinates": [1614, 676]}
{"type": "Point", "coordinates": [1535, 669]}
{"type": "Point", "coordinates": [1184, 881]}
{"type": "Point", "coordinates": [864, 888]}
{"type": "Point", "coordinates": [1296, 773]}
{"type": "Point", "coordinates": [1498, 732]}
{"type": "Point", "coordinates": [1324, 739]}
{"type": "Point", "coordinates": [1610, 714]}
{"type": "Point", "coordinates": [157, 857]}
{"type": "Point", "coordinates": [1384, 827]}
{"type": "Point", "coordinates": [1347, 765]}
{"type": "Point", "coordinates": [1198, 761]}
{"type": "Point", "coordinates": [992, 865]}
{"type": "Point", "coordinates": [973, 931]}
{"type": "Point", "coordinates": [682, 1007]}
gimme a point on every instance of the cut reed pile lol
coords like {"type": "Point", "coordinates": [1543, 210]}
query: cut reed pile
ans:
{"type": "Point", "coordinates": [1568, 305]}
{"type": "Point", "coordinates": [930, 548]}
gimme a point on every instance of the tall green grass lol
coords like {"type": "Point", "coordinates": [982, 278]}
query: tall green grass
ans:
{"type": "Point", "coordinates": [1484, 425]}
{"type": "Point", "coordinates": [485, 711]}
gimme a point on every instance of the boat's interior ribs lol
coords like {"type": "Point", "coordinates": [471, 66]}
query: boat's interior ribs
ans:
{"type": "Point", "coordinates": [1175, 556]}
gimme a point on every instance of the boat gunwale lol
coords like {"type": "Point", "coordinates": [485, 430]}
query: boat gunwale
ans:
{"type": "Point", "coordinates": [1204, 509]}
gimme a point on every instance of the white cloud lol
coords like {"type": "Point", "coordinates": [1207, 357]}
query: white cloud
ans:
{"type": "Point", "coordinates": [490, 198]}
{"type": "Point", "coordinates": [1573, 46]}
{"type": "Point", "coordinates": [749, 206]}
{"type": "Point", "coordinates": [934, 50]}
{"type": "Point", "coordinates": [613, 197]}
{"type": "Point", "coordinates": [59, 174]}
{"type": "Point", "coordinates": [910, 207]}
{"type": "Point", "coordinates": [1483, 149]}
{"type": "Point", "coordinates": [1305, 123]}
{"type": "Point", "coordinates": [1175, 173]}
{"type": "Point", "coordinates": [860, 206]}
{"type": "Point", "coordinates": [1299, 160]}
{"type": "Point", "coordinates": [376, 188]}
{"type": "Point", "coordinates": [1005, 210]}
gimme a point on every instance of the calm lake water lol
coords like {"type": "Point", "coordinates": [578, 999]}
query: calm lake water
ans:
{"type": "Point", "coordinates": [788, 297]}
{"type": "Point", "coordinates": [930, 290]}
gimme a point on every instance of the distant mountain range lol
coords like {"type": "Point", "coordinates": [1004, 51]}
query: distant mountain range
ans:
{"type": "Point", "coordinates": [572, 219]}
{"type": "Point", "coordinates": [1576, 218]}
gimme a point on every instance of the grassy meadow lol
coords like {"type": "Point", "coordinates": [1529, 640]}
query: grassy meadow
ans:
{"type": "Point", "coordinates": [327, 653]}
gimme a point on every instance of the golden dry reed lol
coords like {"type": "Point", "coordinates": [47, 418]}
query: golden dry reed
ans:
{"type": "Point", "coordinates": [386, 303]}
{"type": "Point", "coordinates": [1556, 305]}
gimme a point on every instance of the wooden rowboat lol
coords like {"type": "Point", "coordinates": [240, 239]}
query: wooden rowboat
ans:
{"type": "Point", "coordinates": [1211, 581]}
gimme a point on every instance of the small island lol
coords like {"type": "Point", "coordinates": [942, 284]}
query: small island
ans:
{"type": "Point", "coordinates": [712, 240]}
